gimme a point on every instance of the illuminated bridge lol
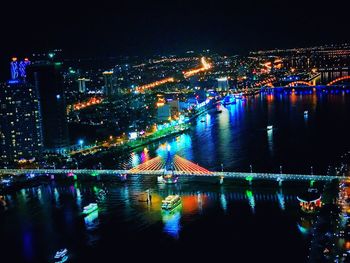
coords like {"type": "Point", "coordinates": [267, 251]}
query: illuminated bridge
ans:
{"type": "Point", "coordinates": [302, 83]}
{"type": "Point", "coordinates": [180, 167]}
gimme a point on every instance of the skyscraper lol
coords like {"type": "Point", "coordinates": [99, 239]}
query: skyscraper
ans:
{"type": "Point", "coordinates": [20, 122]}
{"type": "Point", "coordinates": [46, 77]}
{"type": "Point", "coordinates": [108, 86]}
{"type": "Point", "coordinates": [82, 84]}
{"type": "Point", "coordinates": [223, 84]}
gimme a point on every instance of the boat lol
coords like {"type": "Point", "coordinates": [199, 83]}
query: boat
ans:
{"type": "Point", "coordinates": [90, 208]}
{"type": "Point", "coordinates": [61, 256]}
{"type": "Point", "coordinates": [269, 127]}
{"type": "Point", "coordinates": [170, 202]}
{"type": "Point", "coordinates": [229, 100]}
{"type": "Point", "coordinates": [306, 112]}
{"type": "Point", "coordinates": [310, 201]}
{"type": "Point", "coordinates": [168, 177]}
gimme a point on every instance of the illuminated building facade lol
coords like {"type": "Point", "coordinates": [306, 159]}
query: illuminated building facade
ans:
{"type": "Point", "coordinates": [223, 84]}
{"type": "Point", "coordinates": [82, 85]}
{"type": "Point", "coordinates": [48, 80]}
{"type": "Point", "coordinates": [108, 85]}
{"type": "Point", "coordinates": [18, 69]}
{"type": "Point", "coordinates": [164, 113]}
{"type": "Point", "coordinates": [20, 122]}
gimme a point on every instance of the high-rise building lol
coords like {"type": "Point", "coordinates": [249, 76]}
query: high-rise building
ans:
{"type": "Point", "coordinates": [82, 84]}
{"type": "Point", "coordinates": [164, 113]}
{"type": "Point", "coordinates": [20, 122]}
{"type": "Point", "coordinates": [108, 85]}
{"type": "Point", "coordinates": [46, 77]}
{"type": "Point", "coordinates": [223, 84]}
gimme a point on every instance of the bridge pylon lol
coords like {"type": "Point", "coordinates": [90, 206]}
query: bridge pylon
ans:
{"type": "Point", "coordinates": [279, 180]}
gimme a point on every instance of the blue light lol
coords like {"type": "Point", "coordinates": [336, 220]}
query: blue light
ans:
{"type": "Point", "coordinates": [14, 69]}
{"type": "Point", "coordinates": [81, 142]}
{"type": "Point", "coordinates": [14, 81]}
{"type": "Point", "coordinates": [58, 96]}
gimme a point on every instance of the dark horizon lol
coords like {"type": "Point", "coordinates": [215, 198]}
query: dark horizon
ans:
{"type": "Point", "coordinates": [120, 28]}
{"type": "Point", "coordinates": [123, 28]}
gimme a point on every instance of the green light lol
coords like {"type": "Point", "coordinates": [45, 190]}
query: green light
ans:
{"type": "Point", "coordinates": [312, 183]}
{"type": "Point", "coordinates": [71, 71]}
{"type": "Point", "coordinates": [249, 194]}
{"type": "Point", "coordinates": [249, 178]}
{"type": "Point", "coordinates": [51, 55]}
{"type": "Point", "coordinates": [94, 174]}
{"type": "Point", "coordinates": [75, 177]}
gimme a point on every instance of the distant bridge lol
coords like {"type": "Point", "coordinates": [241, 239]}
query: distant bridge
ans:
{"type": "Point", "coordinates": [307, 83]}
{"type": "Point", "coordinates": [299, 83]}
{"type": "Point", "coordinates": [180, 167]}
{"type": "Point", "coordinates": [338, 80]}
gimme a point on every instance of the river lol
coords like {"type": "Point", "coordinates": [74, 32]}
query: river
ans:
{"type": "Point", "coordinates": [243, 223]}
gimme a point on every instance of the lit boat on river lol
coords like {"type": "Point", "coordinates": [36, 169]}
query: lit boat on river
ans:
{"type": "Point", "coordinates": [61, 256]}
{"type": "Point", "coordinates": [90, 208]}
{"type": "Point", "coordinates": [269, 127]}
{"type": "Point", "coordinates": [170, 202]}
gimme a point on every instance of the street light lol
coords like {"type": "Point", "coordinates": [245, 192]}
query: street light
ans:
{"type": "Point", "coordinates": [280, 169]}
{"type": "Point", "coordinates": [251, 168]}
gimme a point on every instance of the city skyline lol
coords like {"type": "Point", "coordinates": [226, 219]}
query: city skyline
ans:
{"type": "Point", "coordinates": [175, 130]}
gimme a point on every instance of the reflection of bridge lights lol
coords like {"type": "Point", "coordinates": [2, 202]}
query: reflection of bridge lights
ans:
{"type": "Point", "coordinates": [78, 197]}
{"type": "Point", "coordinates": [251, 200]}
{"type": "Point", "coordinates": [56, 195]}
{"type": "Point", "coordinates": [281, 200]}
{"type": "Point", "coordinates": [171, 222]}
{"type": "Point", "coordinates": [270, 139]}
{"type": "Point", "coordinates": [223, 202]}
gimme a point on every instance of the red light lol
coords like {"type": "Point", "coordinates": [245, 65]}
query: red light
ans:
{"type": "Point", "coordinates": [26, 59]}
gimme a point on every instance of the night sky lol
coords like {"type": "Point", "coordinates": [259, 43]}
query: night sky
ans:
{"type": "Point", "coordinates": [159, 27]}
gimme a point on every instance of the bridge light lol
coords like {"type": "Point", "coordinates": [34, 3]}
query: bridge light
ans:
{"type": "Point", "coordinates": [249, 178]}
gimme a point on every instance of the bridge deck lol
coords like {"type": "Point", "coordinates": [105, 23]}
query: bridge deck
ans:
{"type": "Point", "coordinates": [237, 175]}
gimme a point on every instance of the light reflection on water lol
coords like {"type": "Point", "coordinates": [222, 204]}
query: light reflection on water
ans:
{"type": "Point", "coordinates": [237, 137]}
{"type": "Point", "coordinates": [171, 220]}
{"type": "Point", "coordinates": [123, 213]}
